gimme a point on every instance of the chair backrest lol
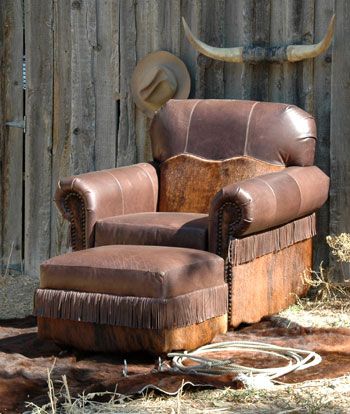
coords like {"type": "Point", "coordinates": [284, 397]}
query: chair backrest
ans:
{"type": "Point", "coordinates": [203, 145]}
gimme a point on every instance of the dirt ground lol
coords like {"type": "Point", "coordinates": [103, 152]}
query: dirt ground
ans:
{"type": "Point", "coordinates": [16, 295]}
{"type": "Point", "coordinates": [315, 396]}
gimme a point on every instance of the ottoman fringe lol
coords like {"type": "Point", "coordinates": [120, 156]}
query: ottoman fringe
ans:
{"type": "Point", "coordinates": [133, 312]}
{"type": "Point", "coordinates": [249, 248]}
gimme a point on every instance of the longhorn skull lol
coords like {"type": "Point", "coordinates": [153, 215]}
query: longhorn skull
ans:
{"type": "Point", "coordinates": [291, 53]}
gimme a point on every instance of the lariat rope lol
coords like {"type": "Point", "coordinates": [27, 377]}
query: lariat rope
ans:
{"type": "Point", "coordinates": [299, 359]}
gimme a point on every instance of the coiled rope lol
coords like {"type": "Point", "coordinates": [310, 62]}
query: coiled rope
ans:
{"type": "Point", "coordinates": [298, 359]}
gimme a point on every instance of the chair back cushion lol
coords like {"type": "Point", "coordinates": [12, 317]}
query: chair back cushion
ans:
{"type": "Point", "coordinates": [203, 145]}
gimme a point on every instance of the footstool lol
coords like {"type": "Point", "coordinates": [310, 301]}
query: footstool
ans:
{"type": "Point", "coordinates": [130, 298]}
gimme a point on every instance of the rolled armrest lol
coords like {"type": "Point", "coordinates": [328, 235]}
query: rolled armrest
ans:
{"type": "Point", "coordinates": [265, 202]}
{"type": "Point", "coordinates": [86, 198]}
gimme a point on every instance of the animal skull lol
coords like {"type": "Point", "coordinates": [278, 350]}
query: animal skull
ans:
{"type": "Point", "coordinates": [291, 53]}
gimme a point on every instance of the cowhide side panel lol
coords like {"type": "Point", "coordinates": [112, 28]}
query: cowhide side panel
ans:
{"type": "Point", "coordinates": [108, 338]}
{"type": "Point", "coordinates": [268, 284]}
{"type": "Point", "coordinates": [188, 183]}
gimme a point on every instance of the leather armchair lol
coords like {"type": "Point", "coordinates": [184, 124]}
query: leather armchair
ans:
{"type": "Point", "coordinates": [232, 177]}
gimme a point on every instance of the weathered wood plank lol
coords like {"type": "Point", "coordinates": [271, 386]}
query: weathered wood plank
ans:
{"type": "Point", "coordinates": [191, 11]}
{"type": "Point", "coordinates": [12, 166]}
{"type": "Point", "coordinates": [322, 99]}
{"type": "Point", "coordinates": [83, 98]}
{"type": "Point", "coordinates": [145, 22]}
{"type": "Point", "coordinates": [213, 20]}
{"type": "Point", "coordinates": [291, 35]}
{"type": "Point", "coordinates": [233, 38]}
{"type": "Point", "coordinates": [261, 38]}
{"type": "Point", "coordinates": [2, 128]}
{"type": "Point", "coordinates": [248, 38]}
{"type": "Point", "coordinates": [126, 148]}
{"type": "Point", "coordinates": [305, 69]}
{"type": "Point", "coordinates": [107, 83]}
{"type": "Point", "coordinates": [276, 72]}
{"type": "Point", "coordinates": [167, 25]}
{"type": "Point", "coordinates": [38, 145]}
{"type": "Point", "coordinates": [340, 123]}
{"type": "Point", "coordinates": [61, 134]}
{"type": "Point", "coordinates": [199, 63]}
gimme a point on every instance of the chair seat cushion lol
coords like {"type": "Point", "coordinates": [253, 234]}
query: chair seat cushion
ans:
{"type": "Point", "coordinates": [158, 229]}
{"type": "Point", "coordinates": [143, 271]}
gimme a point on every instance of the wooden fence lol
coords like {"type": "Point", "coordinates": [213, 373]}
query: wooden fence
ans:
{"type": "Point", "coordinates": [80, 115]}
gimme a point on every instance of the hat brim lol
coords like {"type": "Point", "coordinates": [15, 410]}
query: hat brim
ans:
{"type": "Point", "coordinates": [178, 69]}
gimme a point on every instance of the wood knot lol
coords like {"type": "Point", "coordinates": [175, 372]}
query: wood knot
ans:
{"type": "Point", "coordinates": [76, 5]}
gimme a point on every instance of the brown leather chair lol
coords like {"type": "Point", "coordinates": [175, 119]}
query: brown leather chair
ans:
{"type": "Point", "coordinates": [235, 178]}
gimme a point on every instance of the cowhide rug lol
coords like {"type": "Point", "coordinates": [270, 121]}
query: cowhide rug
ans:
{"type": "Point", "coordinates": [24, 361]}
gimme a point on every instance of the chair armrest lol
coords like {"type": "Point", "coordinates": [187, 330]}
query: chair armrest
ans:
{"type": "Point", "coordinates": [84, 199]}
{"type": "Point", "coordinates": [264, 202]}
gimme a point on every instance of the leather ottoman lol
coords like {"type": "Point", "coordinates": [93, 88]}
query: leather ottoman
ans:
{"type": "Point", "coordinates": [132, 298]}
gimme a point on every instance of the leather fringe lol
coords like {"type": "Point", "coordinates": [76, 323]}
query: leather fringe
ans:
{"type": "Point", "coordinates": [133, 312]}
{"type": "Point", "coordinates": [249, 248]}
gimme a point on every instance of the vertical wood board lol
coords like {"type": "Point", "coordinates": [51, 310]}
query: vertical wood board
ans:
{"type": "Point", "coordinates": [340, 123]}
{"type": "Point", "coordinates": [126, 148]}
{"type": "Point", "coordinates": [83, 98]}
{"type": "Point", "coordinates": [106, 83]}
{"type": "Point", "coordinates": [61, 134]}
{"type": "Point", "coordinates": [12, 158]}
{"type": "Point", "coordinates": [38, 143]}
{"type": "Point", "coordinates": [2, 127]}
{"type": "Point", "coordinates": [213, 20]}
{"type": "Point", "coordinates": [322, 112]}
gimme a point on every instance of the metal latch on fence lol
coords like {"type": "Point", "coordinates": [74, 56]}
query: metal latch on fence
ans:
{"type": "Point", "coordinates": [17, 124]}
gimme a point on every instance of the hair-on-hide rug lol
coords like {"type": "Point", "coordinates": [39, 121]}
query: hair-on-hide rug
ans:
{"type": "Point", "coordinates": [24, 361]}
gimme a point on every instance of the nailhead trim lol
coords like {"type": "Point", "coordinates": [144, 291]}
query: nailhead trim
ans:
{"type": "Point", "coordinates": [232, 225]}
{"type": "Point", "coordinates": [82, 216]}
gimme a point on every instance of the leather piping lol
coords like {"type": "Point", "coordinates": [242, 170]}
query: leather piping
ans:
{"type": "Point", "coordinates": [189, 125]}
{"type": "Point", "coordinates": [247, 129]}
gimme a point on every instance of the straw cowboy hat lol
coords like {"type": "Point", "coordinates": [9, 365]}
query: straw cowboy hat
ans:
{"type": "Point", "coordinates": [158, 77]}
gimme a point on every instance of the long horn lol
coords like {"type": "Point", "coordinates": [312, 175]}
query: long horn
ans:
{"type": "Point", "coordinates": [234, 54]}
{"type": "Point", "coordinates": [300, 52]}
